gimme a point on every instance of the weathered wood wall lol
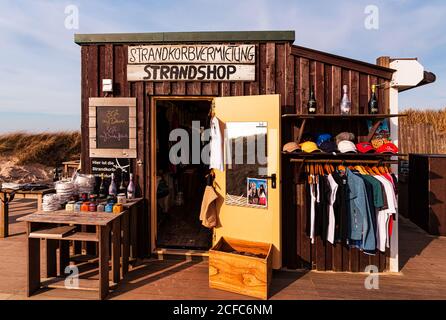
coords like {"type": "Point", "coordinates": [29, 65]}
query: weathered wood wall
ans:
{"type": "Point", "coordinates": [280, 68]}
{"type": "Point", "coordinates": [420, 138]}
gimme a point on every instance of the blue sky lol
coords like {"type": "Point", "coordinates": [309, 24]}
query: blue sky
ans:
{"type": "Point", "coordinates": [40, 64]}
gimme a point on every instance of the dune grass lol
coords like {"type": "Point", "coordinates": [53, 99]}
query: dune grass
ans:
{"type": "Point", "coordinates": [437, 118]}
{"type": "Point", "coordinates": [49, 149]}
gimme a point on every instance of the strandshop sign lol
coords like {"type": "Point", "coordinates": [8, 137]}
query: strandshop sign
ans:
{"type": "Point", "coordinates": [213, 62]}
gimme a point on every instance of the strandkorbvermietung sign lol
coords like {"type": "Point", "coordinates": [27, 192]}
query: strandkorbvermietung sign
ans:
{"type": "Point", "coordinates": [213, 62]}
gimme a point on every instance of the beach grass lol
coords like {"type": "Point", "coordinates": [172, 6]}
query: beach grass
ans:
{"type": "Point", "coordinates": [49, 149]}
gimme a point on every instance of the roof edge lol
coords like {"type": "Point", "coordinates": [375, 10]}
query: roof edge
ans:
{"type": "Point", "coordinates": [345, 62]}
{"type": "Point", "coordinates": [184, 37]}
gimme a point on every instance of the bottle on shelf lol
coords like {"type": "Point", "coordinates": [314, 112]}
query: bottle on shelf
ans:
{"type": "Point", "coordinates": [345, 102]}
{"type": "Point", "coordinates": [312, 104]}
{"type": "Point", "coordinates": [112, 190]}
{"type": "Point", "coordinates": [131, 188]}
{"type": "Point", "coordinates": [373, 103]}
{"type": "Point", "coordinates": [122, 188]}
{"type": "Point", "coordinates": [102, 189]}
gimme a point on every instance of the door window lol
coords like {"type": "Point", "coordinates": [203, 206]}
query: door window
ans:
{"type": "Point", "coordinates": [246, 164]}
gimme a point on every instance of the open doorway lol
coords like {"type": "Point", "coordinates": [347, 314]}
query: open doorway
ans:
{"type": "Point", "coordinates": [180, 186]}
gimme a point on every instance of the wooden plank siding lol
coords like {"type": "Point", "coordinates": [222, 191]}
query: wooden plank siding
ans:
{"type": "Point", "coordinates": [281, 68]}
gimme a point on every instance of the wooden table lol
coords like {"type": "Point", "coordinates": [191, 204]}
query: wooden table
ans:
{"type": "Point", "coordinates": [18, 194]}
{"type": "Point", "coordinates": [55, 226]}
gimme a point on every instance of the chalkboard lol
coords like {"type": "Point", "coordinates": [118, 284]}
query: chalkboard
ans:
{"type": "Point", "coordinates": [107, 166]}
{"type": "Point", "coordinates": [112, 127]}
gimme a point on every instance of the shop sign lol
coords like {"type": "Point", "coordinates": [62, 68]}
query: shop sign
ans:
{"type": "Point", "coordinates": [191, 63]}
{"type": "Point", "coordinates": [107, 166]}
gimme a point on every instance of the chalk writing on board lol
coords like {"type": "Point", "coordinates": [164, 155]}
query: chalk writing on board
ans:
{"type": "Point", "coordinates": [112, 128]}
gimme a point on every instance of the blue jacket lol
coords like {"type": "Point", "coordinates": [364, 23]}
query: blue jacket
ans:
{"type": "Point", "coordinates": [361, 227]}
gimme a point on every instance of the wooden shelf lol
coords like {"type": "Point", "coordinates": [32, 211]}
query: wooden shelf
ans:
{"type": "Point", "coordinates": [64, 233]}
{"type": "Point", "coordinates": [341, 116]}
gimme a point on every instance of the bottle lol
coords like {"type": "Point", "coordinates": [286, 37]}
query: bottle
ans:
{"type": "Point", "coordinates": [373, 103]}
{"type": "Point", "coordinates": [312, 102]}
{"type": "Point", "coordinates": [345, 102]}
{"type": "Point", "coordinates": [102, 190]}
{"type": "Point", "coordinates": [112, 190]}
{"type": "Point", "coordinates": [131, 188]}
{"type": "Point", "coordinates": [122, 188]}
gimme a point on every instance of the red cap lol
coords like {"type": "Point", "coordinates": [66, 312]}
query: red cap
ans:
{"type": "Point", "coordinates": [388, 148]}
{"type": "Point", "coordinates": [365, 147]}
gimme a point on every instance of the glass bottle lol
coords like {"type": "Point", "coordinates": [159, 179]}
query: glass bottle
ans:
{"type": "Point", "coordinates": [312, 102]}
{"type": "Point", "coordinates": [131, 188]}
{"type": "Point", "coordinates": [102, 189]}
{"type": "Point", "coordinates": [112, 190]}
{"type": "Point", "coordinates": [122, 188]}
{"type": "Point", "coordinates": [373, 103]}
{"type": "Point", "coordinates": [345, 102]}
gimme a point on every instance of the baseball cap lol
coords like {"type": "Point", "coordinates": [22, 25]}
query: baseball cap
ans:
{"type": "Point", "coordinates": [291, 147]}
{"type": "Point", "coordinates": [322, 137]}
{"type": "Point", "coordinates": [388, 148]}
{"type": "Point", "coordinates": [328, 146]}
{"type": "Point", "coordinates": [348, 136]}
{"type": "Point", "coordinates": [309, 147]}
{"type": "Point", "coordinates": [365, 147]}
{"type": "Point", "coordinates": [346, 146]}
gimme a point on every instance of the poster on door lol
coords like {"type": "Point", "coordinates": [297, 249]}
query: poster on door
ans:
{"type": "Point", "coordinates": [257, 190]}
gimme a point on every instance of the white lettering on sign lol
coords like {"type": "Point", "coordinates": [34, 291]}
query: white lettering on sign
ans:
{"type": "Point", "coordinates": [221, 53]}
{"type": "Point", "coordinates": [191, 72]}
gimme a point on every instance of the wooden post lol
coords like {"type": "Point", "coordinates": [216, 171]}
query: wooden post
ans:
{"type": "Point", "coordinates": [39, 202]}
{"type": "Point", "coordinates": [51, 258]}
{"type": "Point", "coordinates": [125, 242]}
{"type": "Point", "coordinates": [64, 256]}
{"type": "Point", "coordinates": [104, 246]}
{"type": "Point", "coordinates": [133, 232]}
{"type": "Point", "coordinates": [32, 263]}
{"type": "Point", "coordinates": [4, 216]}
{"type": "Point", "coordinates": [116, 250]}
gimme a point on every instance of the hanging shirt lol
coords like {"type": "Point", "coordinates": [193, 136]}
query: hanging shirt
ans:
{"type": "Point", "coordinates": [341, 208]}
{"type": "Point", "coordinates": [216, 146]}
{"type": "Point", "coordinates": [382, 236]}
{"type": "Point", "coordinates": [371, 215]}
{"type": "Point", "coordinates": [331, 212]}
{"type": "Point", "coordinates": [359, 212]}
{"type": "Point", "coordinates": [313, 200]}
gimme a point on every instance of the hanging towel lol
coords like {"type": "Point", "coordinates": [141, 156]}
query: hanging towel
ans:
{"type": "Point", "coordinates": [216, 145]}
{"type": "Point", "coordinates": [208, 213]}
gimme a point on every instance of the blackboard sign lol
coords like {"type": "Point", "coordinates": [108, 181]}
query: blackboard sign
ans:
{"type": "Point", "coordinates": [107, 166]}
{"type": "Point", "coordinates": [112, 127]}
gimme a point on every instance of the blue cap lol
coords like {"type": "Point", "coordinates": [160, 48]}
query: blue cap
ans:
{"type": "Point", "coordinates": [322, 138]}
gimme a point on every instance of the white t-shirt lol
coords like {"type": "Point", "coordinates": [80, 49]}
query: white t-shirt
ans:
{"type": "Point", "coordinates": [216, 146]}
{"type": "Point", "coordinates": [313, 200]}
{"type": "Point", "coordinates": [331, 215]}
{"type": "Point", "coordinates": [382, 219]}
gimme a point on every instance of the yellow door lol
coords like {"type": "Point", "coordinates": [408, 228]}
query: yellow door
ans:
{"type": "Point", "coordinates": [249, 187]}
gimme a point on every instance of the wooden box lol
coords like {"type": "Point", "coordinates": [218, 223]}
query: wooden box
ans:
{"type": "Point", "coordinates": [241, 273]}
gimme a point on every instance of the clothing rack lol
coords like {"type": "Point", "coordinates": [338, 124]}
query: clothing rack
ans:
{"type": "Point", "coordinates": [341, 161]}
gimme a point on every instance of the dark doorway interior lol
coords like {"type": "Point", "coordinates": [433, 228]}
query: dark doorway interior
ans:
{"type": "Point", "coordinates": [180, 187]}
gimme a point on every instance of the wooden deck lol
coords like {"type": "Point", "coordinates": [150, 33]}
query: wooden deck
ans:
{"type": "Point", "coordinates": [422, 257]}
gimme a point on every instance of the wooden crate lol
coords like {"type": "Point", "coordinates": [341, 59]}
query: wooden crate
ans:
{"type": "Point", "coordinates": [240, 273]}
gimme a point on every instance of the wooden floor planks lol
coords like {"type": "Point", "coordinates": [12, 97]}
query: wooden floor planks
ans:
{"type": "Point", "coordinates": [423, 275]}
